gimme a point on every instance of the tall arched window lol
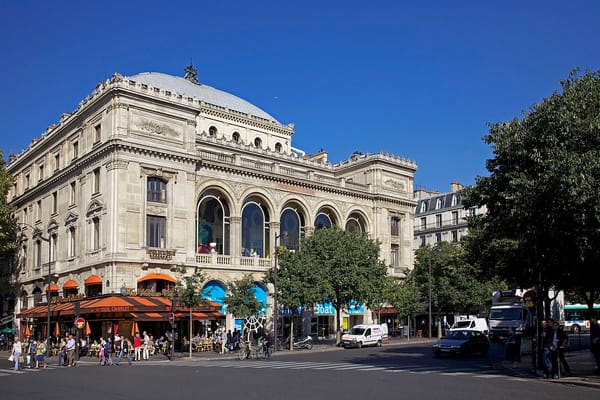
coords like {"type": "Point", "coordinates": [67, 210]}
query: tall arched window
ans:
{"type": "Point", "coordinates": [290, 229]}
{"type": "Point", "coordinates": [322, 221]}
{"type": "Point", "coordinates": [212, 225]}
{"type": "Point", "coordinates": [278, 147]}
{"type": "Point", "coordinates": [255, 230]}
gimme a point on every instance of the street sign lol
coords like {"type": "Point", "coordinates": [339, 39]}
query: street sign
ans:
{"type": "Point", "coordinates": [530, 298]}
{"type": "Point", "coordinates": [79, 323]}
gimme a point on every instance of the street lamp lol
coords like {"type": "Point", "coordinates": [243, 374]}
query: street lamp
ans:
{"type": "Point", "coordinates": [275, 293]}
{"type": "Point", "coordinates": [37, 233]}
{"type": "Point", "coordinates": [429, 297]}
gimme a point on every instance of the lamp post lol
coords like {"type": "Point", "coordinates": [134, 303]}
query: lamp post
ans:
{"type": "Point", "coordinates": [275, 293]}
{"type": "Point", "coordinates": [429, 297]}
{"type": "Point", "coordinates": [37, 233]}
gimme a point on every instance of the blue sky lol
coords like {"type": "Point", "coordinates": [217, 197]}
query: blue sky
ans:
{"type": "Point", "coordinates": [416, 79]}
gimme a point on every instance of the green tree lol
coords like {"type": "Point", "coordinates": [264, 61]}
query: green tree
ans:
{"type": "Point", "coordinates": [298, 287]}
{"type": "Point", "coordinates": [349, 265]}
{"type": "Point", "coordinates": [457, 286]}
{"type": "Point", "coordinates": [241, 300]}
{"type": "Point", "coordinates": [188, 289]}
{"type": "Point", "coordinates": [542, 224]}
{"type": "Point", "coordinates": [405, 297]}
{"type": "Point", "coordinates": [8, 238]}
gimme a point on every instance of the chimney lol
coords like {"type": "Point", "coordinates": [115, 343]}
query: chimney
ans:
{"type": "Point", "coordinates": [455, 186]}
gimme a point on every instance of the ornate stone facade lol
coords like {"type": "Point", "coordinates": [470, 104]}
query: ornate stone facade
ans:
{"type": "Point", "coordinates": [121, 185]}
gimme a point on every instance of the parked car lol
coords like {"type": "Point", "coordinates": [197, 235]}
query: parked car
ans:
{"type": "Point", "coordinates": [462, 342]}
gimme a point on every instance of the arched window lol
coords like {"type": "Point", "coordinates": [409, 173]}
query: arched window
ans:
{"type": "Point", "coordinates": [255, 230]}
{"type": "Point", "coordinates": [24, 300]}
{"type": "Point", "coordinates": [212, 225]}
{"type": "Point", "coordinates": [215, 291]}
{"type": "Point", "coordinates": [322, 221]}
{"type": "Point", "coordinates": [290, 229]}
{"type": "Point", "coordinates": [37, 296]}
{"type": "Point", "coordinates": [258, 142]}
{"type": "Point", "coordinates": [212, 131]}
{"type": "Point", "coordinates": [236, 137]}
{"type": "Point", "coordinates": [278, 147]}
{"type": "Point", "coordinates": [353, 225]}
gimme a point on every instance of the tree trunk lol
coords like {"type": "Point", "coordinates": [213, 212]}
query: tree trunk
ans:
{"type": "Point", "coordinates": [292, 334]}
{"type": "Point", "coordinates": [338, 332]}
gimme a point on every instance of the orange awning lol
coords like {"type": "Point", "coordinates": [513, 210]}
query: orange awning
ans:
{"type": "Point", "coordinates": [162, 277]}
{"type": "Point", "coordinates": [70, 284]}
{"type": "Point", "coordinates": [93, 280]}
{"type": "Point", "coordinates": [53, 288]}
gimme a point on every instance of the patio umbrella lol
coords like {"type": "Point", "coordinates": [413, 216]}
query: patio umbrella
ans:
{"type": "Point", "coordinates": [27, 331]}
{"type": "Point", "coordinates": [88, 331]}
{"type": "Point", "coordinates": [57, 330]}
{"type": "Point", "coordinates": [134, 328]}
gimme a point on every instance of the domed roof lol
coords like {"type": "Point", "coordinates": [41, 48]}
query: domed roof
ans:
{"type": "Point", "coordinates": [203, 92]}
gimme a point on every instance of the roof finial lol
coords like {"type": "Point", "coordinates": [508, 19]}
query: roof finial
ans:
{"type": "Point", "coordinates": [190, 73]}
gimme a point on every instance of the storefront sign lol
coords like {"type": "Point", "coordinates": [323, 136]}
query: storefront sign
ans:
{"type": "Point", "coordinates": [68, 299]}
{"type": "Point", "coordinates": [324, 309]}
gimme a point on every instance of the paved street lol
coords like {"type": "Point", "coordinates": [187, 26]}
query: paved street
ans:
{"type": "Point", "coordinates": [389, 372]}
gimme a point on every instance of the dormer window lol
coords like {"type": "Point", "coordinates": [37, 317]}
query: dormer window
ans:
{"type": "Point", "coordinates": [258, 142]}
{"type": "Point", "coordinates": [438, 204]}
{"type": "Point", "coordinates": [454, 201]}
{"type": "Point", "coordinates": [423, 207]}
{"type": "Point", "coordinates": [212, 131]}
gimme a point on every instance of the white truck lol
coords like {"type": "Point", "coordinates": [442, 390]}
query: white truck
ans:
{"type": "Point", "coordinates": [508, 312]}
{"type": "Point", "coordinates": [365, 335]}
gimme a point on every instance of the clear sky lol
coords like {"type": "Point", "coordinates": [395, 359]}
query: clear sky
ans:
{"type": "Point", "coordinates": [416, 79]}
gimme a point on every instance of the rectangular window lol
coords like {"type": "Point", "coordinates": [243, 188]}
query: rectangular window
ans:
{"type": "Point", "coordinates": [97, 180]}
{"type": "Point", "coordinates": [54, 241]}
{"type": "Point", "coordinates": [40, 172]}
{"type": "Point", "coordinates": [38, 254]}
{"type": "Point", "coordinates": [15, 189]}
{"type": "Point", "coordinates": [438, 220]}
{"type": "Point", "coordinates": [438, 237]}
{"type": "Point", "coordinates": [71, 248]}
{"type": "Point", "coordinates": [423, 223]}
{"type": "Point", "coordinates": [75, 150]}
{"type": "Point", "coordinates": [97, 133]}
{"type": "Point", "coordinates": [156, 190]}
{"type": "Point", "coordinates": [455, 217]}
{"type": "Point", "coordinates": [54, 202]}
{"type": "Point", "coordinates": [27, 181]}
{"type": "Point", "coordinates": [395, 226]}
{"type": "Point", "coordinates": [25, 215]}
{"type": "Point", "coordinates": [423, 242]}
{"type": "Point", "coordinates": [454, 236]}
{"type": "Point", "coordinates": [38, 210]}
{"type": "Point", "coordinates": [72, 193]}
{"type": "Point", "coordinates": [56, 162]}
{"type": "Point", "coordinates": [394, 256]}
{"type": "Point", "coordinates": [96, 234]}
{"type": "Point", "coordinates": [155, 231]}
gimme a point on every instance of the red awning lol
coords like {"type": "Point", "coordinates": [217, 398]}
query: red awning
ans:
{"type": "Point", "coordinates": [53, 288]}
{"type": "Point", "coordinates": [93, 280]}
{"type": "Point", "coordinates": [161, 277]}
{"type": "Point", "coordinates": [70, 284]}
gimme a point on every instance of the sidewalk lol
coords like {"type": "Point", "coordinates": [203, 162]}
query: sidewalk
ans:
{"type": "Point", "coordinates": [581, 362]}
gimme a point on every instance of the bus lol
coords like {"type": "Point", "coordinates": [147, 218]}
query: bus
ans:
{"type": "Point", "coordinates": [577, 317]}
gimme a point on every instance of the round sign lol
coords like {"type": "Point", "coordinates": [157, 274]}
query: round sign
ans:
{"type": "Point", "coordinates": [80, 323]}
{"type": "Point", "coordinates": [530, 298]}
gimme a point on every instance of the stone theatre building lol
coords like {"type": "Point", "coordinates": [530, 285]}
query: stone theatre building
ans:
{"type": "Point", "coordinates": [153, 172]}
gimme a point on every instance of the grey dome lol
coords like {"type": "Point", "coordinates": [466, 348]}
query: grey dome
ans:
{"type": "Point", "coordinates": [206, 93]}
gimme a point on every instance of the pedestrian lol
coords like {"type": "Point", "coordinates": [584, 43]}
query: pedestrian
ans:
{"type": "Point", "coordinates": [137, 345]}
{"type": "Point", "coordinates": [31, 352]}
{"type": "Point", "coordinates": [62, 352]}
{"type": "Point", "coordinates": [39, 355]}
{"type": "Point", "coordinates": [146, 352]}
{"type": "Point", "coordinates": [70, 351]}
{"type": "Point", "coordinates": [595, 341]}
{"type": "Point", "coordinates": [125, 346]}
{"type": "Point", "coordinates": [562, 343]}
{"type": "Point", "coordinates": [547, 338]}
{"type": "Point", "coordinates": [223, 341]}
{"type": "Point", "coordinates": [16, 352]}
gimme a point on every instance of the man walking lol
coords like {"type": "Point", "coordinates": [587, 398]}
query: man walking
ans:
{"type": "Point", "coordinates": [125, 345]}
{"type": "Point", "coordinates": [70, 351]}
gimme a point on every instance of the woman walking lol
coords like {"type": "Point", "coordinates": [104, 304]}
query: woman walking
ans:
{"type": "Point", "coordinates": [16, 352]}
{"type": "Point", "coordinates": [39, 354]}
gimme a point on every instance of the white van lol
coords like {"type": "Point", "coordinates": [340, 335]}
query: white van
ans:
{"type": "Point", "coordinates": [476, 324]}
{"type": "Point", "coordinates": [363, 335]}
